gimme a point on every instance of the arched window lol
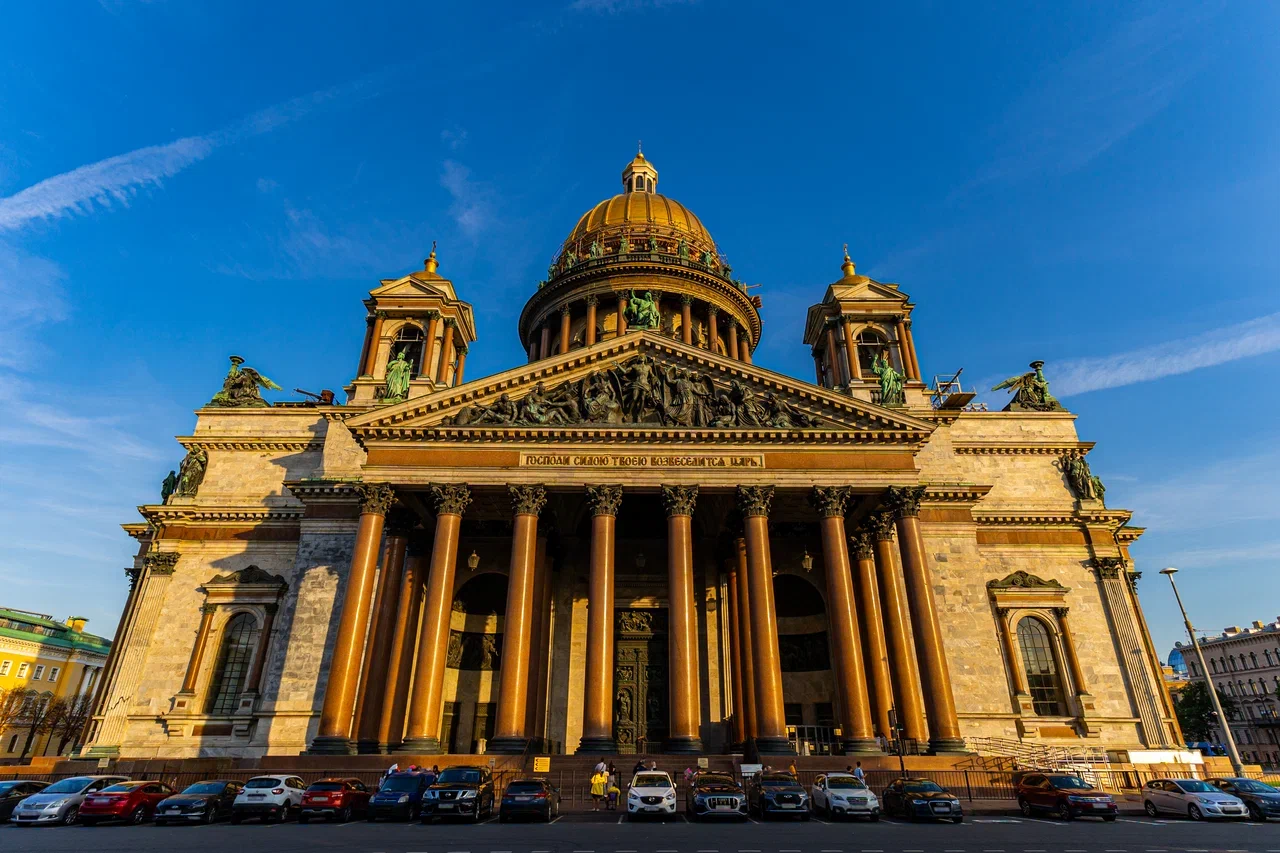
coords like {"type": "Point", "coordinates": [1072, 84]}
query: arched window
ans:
{"type": "Point", "coordinates": [1266, 653]}
{"type": "Point", "coordinates": [1213, 664]}
{"type": "Point", "coordinates": [1253, 658]}
{"type": "Point", "coordinates": [870, 344]}
{"type": "Point", "coordinates": [239, 640]}
{"type": "Point", "coordinates": [1041, 668]}
{"type": "Point", "coordinates": [411, 341]}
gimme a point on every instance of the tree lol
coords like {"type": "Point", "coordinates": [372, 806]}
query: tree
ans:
{"type": "Point", "coordinates": [37, 714]}
{"type": "Point", "coordinates": [11, 700]}
{"type": "Point", "coordinates": [1196, 713]}
{"type": "Point", "coordinates": [72, 713]}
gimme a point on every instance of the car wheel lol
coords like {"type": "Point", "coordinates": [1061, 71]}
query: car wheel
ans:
{"type": "Point", "coordinates": [210, 815]}
{"type": "Point", "coordinates": [71, 816]}
{"type": "Point", "coordinates": [1064, 811]}
{"type": "Point", "coordinates": [139, 816]}
{"type": "Point", "coordinates": [1194, 812]}
{"type": "Point", "coordinates": [1150, 808]}
{"type": "Point", "coordinates": [1024, 807]}
{"type": "Point", "coordinates": [344, 816]}
{"type": "Point", "coordinates": [1110, 818]}
{"type": "Point", "coordinates": [1255, 813]}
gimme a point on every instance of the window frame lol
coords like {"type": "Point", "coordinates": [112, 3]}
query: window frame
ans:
{"type": "Point", "coordinates": [222, 700]}
{"type": "Point", "coordinates": [1048, 693]}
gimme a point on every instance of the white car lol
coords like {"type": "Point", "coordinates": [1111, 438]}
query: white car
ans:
{"type": "Point", "coordinates": [843, 795]}
{"type": "Point", "coordinates": [269, 797]}
{"type": "Point", "coordinates": [651, 793]}
{"type": "Point", "coordinates": [1190, 797]}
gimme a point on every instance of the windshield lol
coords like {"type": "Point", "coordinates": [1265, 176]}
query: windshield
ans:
{"type": "Point", "coordinates": [454, 775]}
{"type": "Point", "coordinates": [524, 788]}
{"type": "Point", "coordinates": [844, 782]}
{"type": "Point", "coordinates": [74, 785]}
{"type": "Point", "coordinates": [777, 781]}
{"type": "Point", "coordinates": [715, 780]}
{"type": "Point", "coordinates": [1069, 782]}
{"type": "Point", "coordinates": [6, 787]}
{"type": "Point", "coordinates": [327, 786]}
{"type": "Point", "coordinates": [264, 782]}
{"type": "Point", "coordinates": [402, 784]}
{"type": "Point", "coordinates": [205, 788]}
{"type": "Point", "coordinates": [1195, 786]}
{"type": "Point", "coordinates": [923, 788]}
{"type": "Point", "coordinates": [651, 780]}
{"type": "Point", "coordinates": [122, 788]}
{"type": "Point", "coordinates": [1252, 787]}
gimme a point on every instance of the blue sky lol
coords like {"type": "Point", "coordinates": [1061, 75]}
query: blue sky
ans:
{"type": "Point", "coordinates": [1094, 184]}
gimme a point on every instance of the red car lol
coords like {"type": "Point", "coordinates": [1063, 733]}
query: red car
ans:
{"type": "Point", "coordinates": [1065, 795]}
{"type": "Point", "coordinates": [334, 799]}
{"type": "Point", "coordinates": [134, 802]}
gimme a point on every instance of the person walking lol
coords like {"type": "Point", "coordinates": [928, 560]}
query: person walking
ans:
{"type": "Point", "coordinates": [858, 774]}
{"type": "Point", "coordinates": [599, 787]}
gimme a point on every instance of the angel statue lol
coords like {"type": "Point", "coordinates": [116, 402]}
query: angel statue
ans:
{"type": "Point", "coordinates": [240, 388]}
{"type": "Point", "coordinates": [397, 387]}
{"type": "Point", "coordinates": [1030, 392]}
{"type": "Point", "coordinates": [890, 381]}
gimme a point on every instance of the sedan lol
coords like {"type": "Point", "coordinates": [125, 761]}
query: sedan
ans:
{"type": "Point", "coordinates": [335, 799]}
{"type": "Point", "coordinates": [200, 802]}
{"type": "Point", "coordinates": [134, 802]}
{"type": "Point", "coordinates": [837, 794]}
{"type": "Point", "coordinates": [713, 795]}
{"type": "Point", "coordinates": [777, 794]}
{"type": "Point", "coordinates": [1065, 795]}
{"type": "Point", "coordinates": [529, 798]}
{"type": "Point", "coordinates": [1191, 797]}
{"type": "Point", "coordinates": [921, 799]}
{"type": "Point", "coordinates": [60, 802]}
{"type": "Point", "coordinates": [1262, 800]}
{"type": "Point", "coordinates": [14, 791]}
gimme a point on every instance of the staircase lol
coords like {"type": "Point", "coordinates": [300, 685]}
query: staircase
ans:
{"type": "Point", "coordinates": [1020, 755]}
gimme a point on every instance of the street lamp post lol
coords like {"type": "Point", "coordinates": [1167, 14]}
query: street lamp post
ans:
{"type": "Point", "coordinates": [1236, 764]}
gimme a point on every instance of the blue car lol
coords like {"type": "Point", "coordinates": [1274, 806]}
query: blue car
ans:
{"type": "Point", "coordinates": [400, 797]}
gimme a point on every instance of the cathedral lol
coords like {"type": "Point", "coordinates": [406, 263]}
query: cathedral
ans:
{"type": "Point", "coordinates": [637, 541]}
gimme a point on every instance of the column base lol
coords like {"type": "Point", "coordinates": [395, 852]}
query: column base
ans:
{"type": "Point", "coordinates": [368, 747]}
{"type": "Point", "coordinates": [682, 746]}
{"type": "Point", "coordinates": [419, 746]}
{"type": "Point", "coordinates": [948, 746]}
{"type": "Point", "coordinates": [862, 746]}
{"type": "Point", "coordinates": [597, 746]}
{"type": "Point", "coordinates": [331, 745]}
{"type": "Point", "coordinates": [508, 745]}
{"type": "Point", "coordinates": [774, 746]}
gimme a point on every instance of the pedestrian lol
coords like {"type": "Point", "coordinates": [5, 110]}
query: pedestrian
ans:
{"type": "Point", "coordinates": [613, 774]}
{"type": "Point", "coordinates": [653, 765]}
{"type": "Point", "coordinates": [791, 768]}
{"type": "Point", "coordinates": [599, 786]}
{"type": "Point", "coordinates": [614, 793]}
{"type": "Point", "coordinates": [394, 768]}
{"type": "Point", "coordinates": [639, 768]}
{"type": "Point", "coordinates": [848, 768]}
{"type": "Point", "coordinates": [601, 766]}
{"type": "Point", "coordinates": [688, 774]}
{"type": "Point", "coordinates": [858, 774]}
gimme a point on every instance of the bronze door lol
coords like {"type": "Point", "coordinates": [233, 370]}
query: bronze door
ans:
{"type": "Point", "coordinates": [640, 680]}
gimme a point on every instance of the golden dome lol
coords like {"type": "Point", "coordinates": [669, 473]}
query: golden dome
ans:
{"type": "Point", "coordinates": [642, 213]}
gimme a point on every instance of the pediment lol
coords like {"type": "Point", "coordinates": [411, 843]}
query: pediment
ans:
{"type": "Point", "coordinates": [863, 289]}
{"type": "Point", "coordinates": [416, 284]}
{"type": "Point", "coordinates": [643, 381]}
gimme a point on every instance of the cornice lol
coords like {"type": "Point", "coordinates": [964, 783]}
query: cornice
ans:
{"type": "Point", "coordinates": [1041, 518]}
{"type": "Point", "coordinates": [164, 515]}
{"type": "Point", "coordinates": [1127, 535]}
{"type": "Point", "coordinates": [1005, 448]}
{"type": "Point", "coordinates": [729, 438]}
{"type": "Point", "coordinates": [257, 443]}
{"type": "Point", "coordinates": [324, 491]}
{"type": "Point", "coordinates": [955, 494]}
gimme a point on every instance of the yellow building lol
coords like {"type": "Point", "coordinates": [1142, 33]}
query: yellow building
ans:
{"type": "Point", "coordinates": [41, 661]}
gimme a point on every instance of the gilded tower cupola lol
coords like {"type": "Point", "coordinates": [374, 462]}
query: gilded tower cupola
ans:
{"type": "Point", "coordinates": [640, 260]}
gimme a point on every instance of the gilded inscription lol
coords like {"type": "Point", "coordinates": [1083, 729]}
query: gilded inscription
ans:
{"type": "Point", "coordinates": [639, 460]}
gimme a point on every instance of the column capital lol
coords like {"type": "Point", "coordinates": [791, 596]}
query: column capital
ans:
{"type": "Point", "coordinates": [450, 322]}
{"type": "Point", "coordinates": [755, 500]}
{"type": "Point", "coordinates": [564, 309]}
{"type": "Point", "coordinates": [161, 562]}
{"type": "Point", "coordinates": [605, 500]}
{"type": "Point", "coordinates": [712, 310]}
{"type": "Point", "coordinates": [432, 314]}
{"type": "Point", "coordinates": [208, 609]}
{"type": "Point", "coordinates": [847, 318]}
{"type": "Point", "coordinates": [271, 609]}
{"type": "Point", "coordinates": [1108, 568]}
{"type": "Point", "coordinates": [1061, 612]}
{"type": "Point", "coordinates": [400, 520]}
{"type": "Point", "coordinates": [450, 498]}
{"type": "Point", "coordinates": [679, 500]}
{"type": "Point", "coordinates": [592, 299]}
{"type": "Point", "coordinates": [1003, 613]}
{"type": "Point", "coordinates": [375, 498]}
{"type": "Point", "coordinates": [527, 500]}
{"type": "Point", "coordinates": [829, 501]}
{"type": "Point", "coordinates": [864, 544]}
{"type": "Point", "coordinates": [380, 314]}
{"type": "Point", "coordinates": [686, 299]}
{"type": "Point", "coordinates": [904, 501]}
{"type": "Point", "coordinates": [880, 524]}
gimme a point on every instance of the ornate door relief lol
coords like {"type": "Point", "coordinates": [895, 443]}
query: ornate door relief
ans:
{"type": "Point", "coordinates": [640, 679]}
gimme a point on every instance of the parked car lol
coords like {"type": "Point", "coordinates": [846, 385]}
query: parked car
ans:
{"type": "Point", "coordinates": [460, 792]}
{"type": "Point", "coordinates": [60, 802]}
{"type": "Point", "coordinates": [921, 799]}
{"type": "Point", "coordinates": [1262, 800]}
{"type": "Point", "coordinates": [715, 795]}
{"type": "Point", "coordinates": [399, 797]}
{"type": "Point", "coordinates": [1191, 797]}
{"type": "Point", "coordinates": [1064, 795]}
{"type": "Point", "coordinates": [335, 799]}
{"type": "Point", "coordinates": [14, 791]}
{"type": "Point", "coordinates": [199, 802]}
{"type": "Point", "coordinates": [777, 794]}
{"type": "Point", "coordinates": [843, 794]}
{"type": "Point", "coordinates": [269, 798]}
{"type": "Point", "coordinates": [651, 793]}
{"type": "Point", "coordinates": [134, 802]}
{"type": "Point", "coordinates": [529, 798]}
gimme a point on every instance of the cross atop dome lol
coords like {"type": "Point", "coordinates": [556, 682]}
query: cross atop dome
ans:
{"type": "Point", "coordinates": [639, 176]}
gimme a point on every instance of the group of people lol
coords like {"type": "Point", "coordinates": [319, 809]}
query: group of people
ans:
{"type": "Point", "coordinates": [430, 773]}
{"type": "Point", "coordinates": [604, 785]}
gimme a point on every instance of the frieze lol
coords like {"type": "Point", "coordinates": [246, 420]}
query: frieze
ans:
{"type": "Point", "coordinates": [1025, 580]}
{"type": "Point", "coordinates": [641, 460]}
{"type": "Point", "coordinates": [250, 575]}
{"type": "Point", "coordinates": [1047, 448]}
{"type": "Point", "coordinates": [252, 443]}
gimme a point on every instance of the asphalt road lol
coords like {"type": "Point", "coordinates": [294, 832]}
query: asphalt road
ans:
{"type": "Point", "coordinates": [603, 834]}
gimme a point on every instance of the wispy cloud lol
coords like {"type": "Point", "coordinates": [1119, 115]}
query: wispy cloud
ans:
{"type": "Point", "coordinates": [117, 180]}
{"type": "Point", "coordinates": [31, 294]}
{"type": "Point", "coordinates": [455, 137]}
{"type": "Point", "coordinates": [472, 206]}
{"type": "Point", "coordinates": [1216, 346]}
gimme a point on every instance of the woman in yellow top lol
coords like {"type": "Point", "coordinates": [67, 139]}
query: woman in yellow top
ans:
{"type": "Point", "coordinates": [599, 780]}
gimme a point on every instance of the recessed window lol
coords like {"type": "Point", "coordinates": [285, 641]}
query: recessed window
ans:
{"type": "Point", "coordinates": [5, 667]}
{"type": "Point", "coordinates": [22, 669]}
{"type": "Point", "coordinates": [53, 673]}
{"type": "Point", "coordinates": [1041, 668]}
{"type": "Point", "coordinates": [240, 638]}
{"type": "Point", "coordinates": [39, 673]}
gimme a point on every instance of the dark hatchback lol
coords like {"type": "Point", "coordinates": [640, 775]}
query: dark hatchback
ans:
{"type": "Point", "coordinates": [200, 802]}
{"type": "Point", "coordinates": [1262, 799]}
{"type": "Point", "coordinates": [1065, 795]}
{"type": "Point", "coordinates": [715, 795]}
{"type": "Point", "coordinates": [529, 798]}
{"type": "Point", "coordinates": [777, 794]}
{"type": "Point", "coordinates": [400, 797]}
{"type": "Point", "coordinates": [14, 791]}
{"type": "Point", "coordinates": [921, 799]}
{"type": "Point", "coordinates": [465, 792]}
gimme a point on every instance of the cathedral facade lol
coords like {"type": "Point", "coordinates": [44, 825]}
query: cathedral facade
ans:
{"type": "Point", "coordinates": [636, 541]}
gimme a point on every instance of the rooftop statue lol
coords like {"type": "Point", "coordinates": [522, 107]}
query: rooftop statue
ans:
{"type": "Point", "coordinates": [682, 249]}
{"type": "Point", "coordinates": [595, 250]}
{"type": "Point", "coordinates": [191, 473]}
{"type": "Point", "coordinates": [240, 387]}
{"type": "Point", "coordinates": [1030, 392]}
{"type": "Point", "coordinates": [397, 385]}
{"type": "Point", "coordinates": [624, 245]}
{"type": "Point", "coordinates": [891, 393]}
{"type": "Point", "coordinates": [168, 487]}
{"type": "Point", "coordinates": [642, 311]}
{"type": "Point", "coordinates": [1081, 480]}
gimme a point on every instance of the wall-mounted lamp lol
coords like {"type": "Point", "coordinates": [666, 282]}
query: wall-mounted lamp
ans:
{"type": "Point", "coordinates": [473, 562]}
{"type": "Point", "coordinates": [806, 562]}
